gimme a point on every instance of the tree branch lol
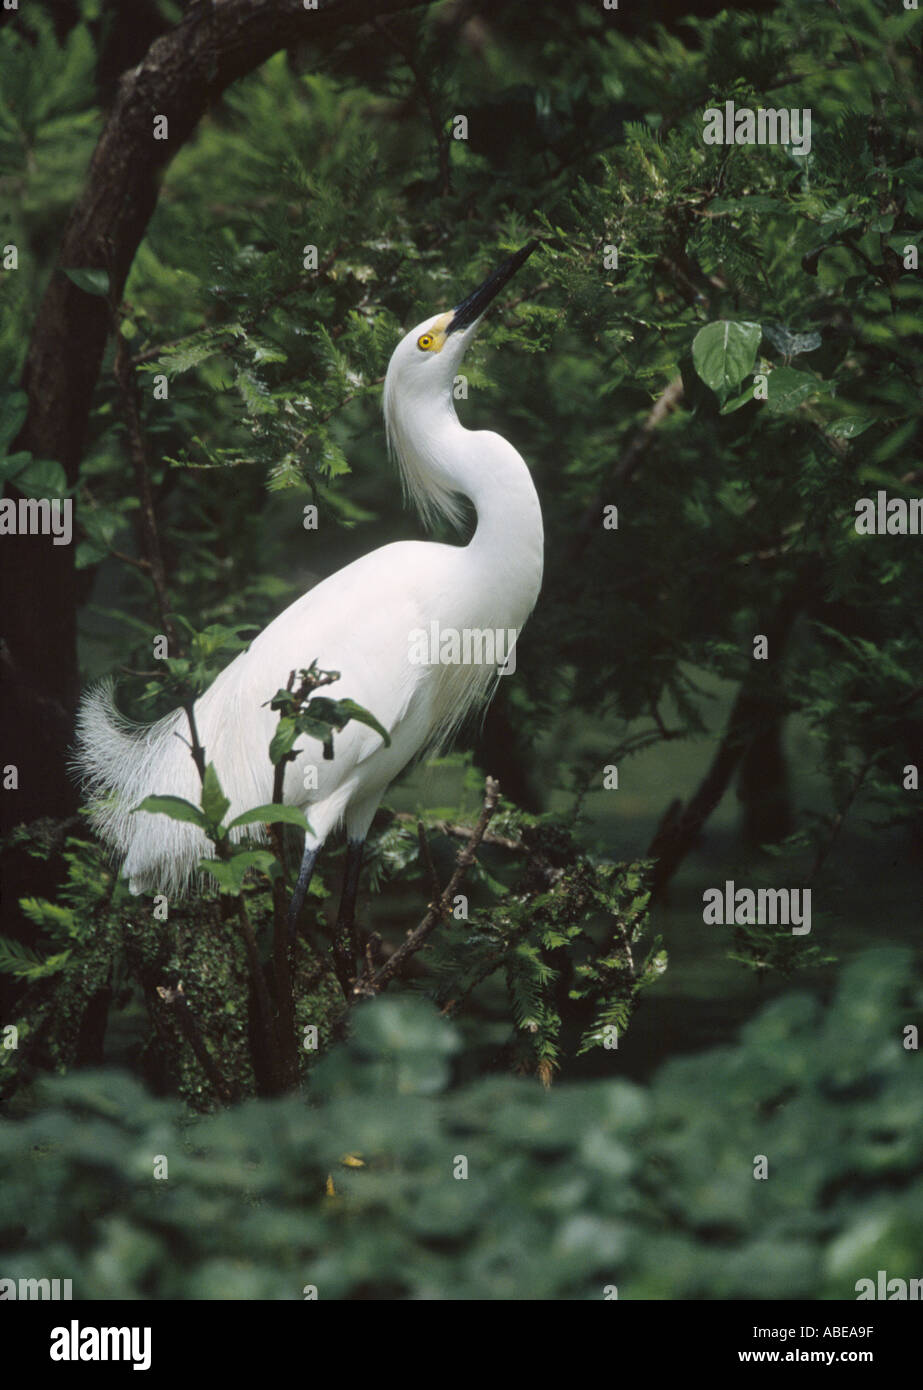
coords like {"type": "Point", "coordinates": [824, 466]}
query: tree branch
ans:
{"type": "Point", "coordinates": [124, 373]}
{"type": "Point", "coordinates": [371, 984]}
{"type": "Point", "coordinates": [628, 461]}
{"type": "Point", "coordinates": [681, 825]}
{"type": "Point", "coordinates": [435, 120]}
{"type": "Point", "coordinates": [176, 999]}
{"type": "Point", "coordinates": [464, 832]}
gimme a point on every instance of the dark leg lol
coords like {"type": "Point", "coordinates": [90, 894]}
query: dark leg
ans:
{"type": "Point", "coordinates": [301, 888]}
{"type": "Point", "coordinates": [345, 945]}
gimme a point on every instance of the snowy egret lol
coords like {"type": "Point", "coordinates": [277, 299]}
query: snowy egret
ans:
{"type": "Point", "coordinates": [362, 622]}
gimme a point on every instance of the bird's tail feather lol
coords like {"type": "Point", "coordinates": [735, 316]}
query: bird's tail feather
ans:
{"type": "Point", "coordinates": [119, 763]}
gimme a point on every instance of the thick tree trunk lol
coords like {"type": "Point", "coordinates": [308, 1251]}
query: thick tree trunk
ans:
{"type": "Point", "coordinates": [763, 788]}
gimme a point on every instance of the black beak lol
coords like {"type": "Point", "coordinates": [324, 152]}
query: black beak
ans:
{"type": "Point", "coordinates": [471, 309]}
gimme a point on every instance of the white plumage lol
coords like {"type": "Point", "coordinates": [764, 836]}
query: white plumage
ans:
{"type": "Point", "coordinates": [359, 622]}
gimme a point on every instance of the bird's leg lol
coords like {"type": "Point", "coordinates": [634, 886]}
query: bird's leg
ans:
{"type": "Point", "coordinates": [345, 944]}
{"type": "Point", "coordinates": [309, 859]}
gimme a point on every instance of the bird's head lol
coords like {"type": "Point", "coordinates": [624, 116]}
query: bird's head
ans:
{"type": "Point", "coordinates": [422, 373]}
{"type": "Point", "coordinates": [427, 358]}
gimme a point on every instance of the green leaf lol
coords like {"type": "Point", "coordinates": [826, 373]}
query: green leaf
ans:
{"type": "Point", "coordinates": [54, 918]}
{"type": "Point", "coordinates": [850, 426]}
{"type": "Point", "coordinates": [14, 406]}
{"type": "Point", "coordinates": [364, 716]}
{"type": "Point", "coordinates": [787, 389]}
{"type": "Point", "coordinates": [17, 959]}
{"type": "Point", "coordinates": [723, 353]}
{"type": "Point", "coordinates": [13, 465]}
{"type": "Point", "coordinates": [229, 874]}
{"type": "Point", "coordinates": [187, 354]}
{"type": "Point", "coordinates": [282, 740]}
{"type": "Point", "coordinates": [738, 401]}
{"type": "Point", "coordinates": [214, 801]}
{"type": "Point", "coordinates": [272, 814]}
{"type": "Point", "coordinates": [92, 281]}
{"type": "Point", "coordinates": [176, 807]}
{"type": "Point", "coordinates": [338, 713]}
{"type": "Point", "coordinates": [41, 478]}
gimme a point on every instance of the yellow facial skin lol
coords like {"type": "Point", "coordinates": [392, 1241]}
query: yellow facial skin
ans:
{"type": "Point", "coordinates": [433, 340]}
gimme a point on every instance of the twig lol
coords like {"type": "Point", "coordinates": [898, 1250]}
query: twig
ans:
{"type": "Point", "coordinates": [839, 819]}
{"type": "Point", "coordinates": [442, 139]}
{"type": "Point", "coordinates": [140, 564]}
{"type": "Point", "coordinates": [370, 984]}
{"type": "Point", "coordinates": [372, 952]}
{"type": "Point", "coordinates": [246, 322]}
{"type": "Point", "coordinates": [537, 861]}
{"type": "Point", "coordinates": [281, 955]}
{"type": "Point", "coordinates": [195, 747]}
{"type": "Point", "coordinates": [665, 404]}
{"type": "Point", "coordinates": [824, 849]}
{"type": "Point", "coordinates": [681, 825]}
{"type": "Point", "coordinates": [264, 1003]}
{"type": "Point", "coordinates": [427, 858]}
{"type": "Point", "coordinates": [464, 832]}
{"type": "Point", "coordinates": [131, 416]}
{"type": "Point", "coordinates": [278, 776]}
{"type": "Point", "coordinates": [853, 43]}
{"type": "Point", "coordinates": [626, 942]}
{"type": "Point", "coordinates": [188, 1026]}
{"type": "Point", "coordinates": [282, 970]}
{"type": "Point", "coordinates": [909, 698]}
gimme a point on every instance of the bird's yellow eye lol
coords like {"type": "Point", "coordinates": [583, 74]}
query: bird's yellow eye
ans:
{"type": "Point", "coordinates": [425, 342]}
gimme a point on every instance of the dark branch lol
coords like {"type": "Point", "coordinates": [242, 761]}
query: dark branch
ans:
{"type": "Point", "coordinates": [189, 1028]}
{"type": "Point", "coordinates": [628, 461]}
{"type": "Point", "coordinates": [756, 704]}
{"type": "Point", "coordinates": [370, 984]}
{"type": "Point", "coordinates": [149, 535]}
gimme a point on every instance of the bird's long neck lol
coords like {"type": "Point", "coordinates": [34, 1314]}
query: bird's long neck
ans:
{"type": "Point", "coordinates": [444, 457]}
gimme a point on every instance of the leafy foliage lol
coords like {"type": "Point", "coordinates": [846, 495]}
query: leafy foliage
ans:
{"type": "Point", "coordinates": [302, 714]}
{"type": "Point", "coordinates": [568, 1192]}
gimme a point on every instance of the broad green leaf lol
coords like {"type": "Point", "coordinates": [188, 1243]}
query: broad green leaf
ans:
{"type": "Point", "coordinates": [229, 874]}
{"type": "Point", "coordinates": [282, 740]}
{"type": "Point", "coordinates": [787, 389]}
{"type": "Point", "coordinates": [723, 353]}
{"type": "Point", "coordinates": [176, 807]}
{"type": "Point", "coordinates": [41, 478]}
{"type": "Point", "coordinates": [744, 399]}
{"type": "Point", "coordinates": [338, 713]}
{"type": "Point", "coordinates": [214, 801]}
{"type": "Point", "coordinates": [850, 426]}
{"type": "Point", "coordinates": [272, 814]}
{"type": "Point", "coordinates": [363, 716]}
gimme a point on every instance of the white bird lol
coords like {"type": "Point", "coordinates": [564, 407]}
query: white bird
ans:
{"type": "Point", "coordinates": [363, 622]}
